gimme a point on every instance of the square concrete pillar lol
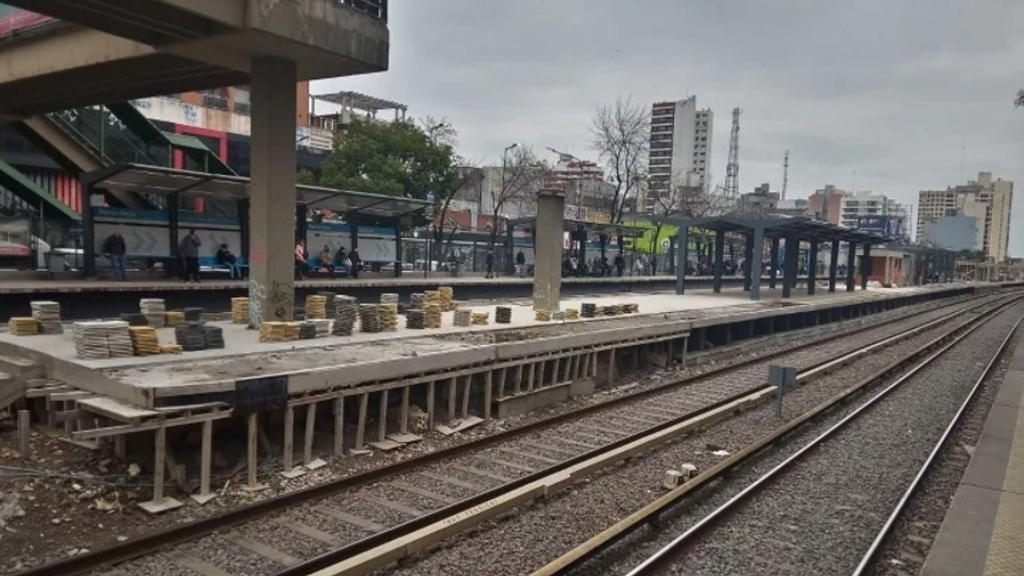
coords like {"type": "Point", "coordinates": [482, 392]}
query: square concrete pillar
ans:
{"type": "Point", "coordinates": [754, 263]}
{"type": "Point", "coordinates": [548, 240]}
{"type": "Point", "coordinates": [272, 191]}
{"type": "Point", "coordinates": [833, 266]}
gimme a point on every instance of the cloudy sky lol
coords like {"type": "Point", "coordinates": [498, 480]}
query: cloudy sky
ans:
{"type": "Point", "coordinates": [894, 95]}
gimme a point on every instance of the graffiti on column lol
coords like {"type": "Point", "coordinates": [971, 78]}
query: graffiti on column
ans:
{"type": "Point", "coordinates": [257, 292]}
{"type": "Point", "coordinates": [281, 299]}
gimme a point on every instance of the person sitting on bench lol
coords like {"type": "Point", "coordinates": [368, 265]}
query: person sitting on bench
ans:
{"type": "Point", "coordinates": [325, 261]}
{"type": "Point", "coordinates": [227, 259]}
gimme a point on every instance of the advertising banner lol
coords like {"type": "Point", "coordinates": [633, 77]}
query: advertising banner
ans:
{"type": "Point", "coordinates": [891, 226]}
{"type": "Point", "coordinates": [15, 237]}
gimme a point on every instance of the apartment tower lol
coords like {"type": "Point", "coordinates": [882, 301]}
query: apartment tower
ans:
{"type": "Point", "coordinates": [987, 201]}
{"type": "Point", "coordinates": [680, 149]}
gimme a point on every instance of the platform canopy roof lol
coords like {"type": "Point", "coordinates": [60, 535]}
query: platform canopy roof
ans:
{"type": "Point", "coordinates": [804, 228]}
{"type": "Point", "coordinates": [360, 101]}
{"type": "Point", "coordinates": [166, 181]}
{"type": "Point", "coordinates": [590, 227]}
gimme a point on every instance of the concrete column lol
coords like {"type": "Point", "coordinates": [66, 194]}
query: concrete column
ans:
{"type": "Point", "coordinates": [791, 257]}
{"type": "Point", "coordinates": [865, 267]}
{"type": "Point", "coordinates": [748, 257]}
{"type": "Point", "coordinates": [681, 241]}
{"type": "Point", "coordinates": [272, 191]}
{"type": "Point", "coordinates": [547, 278]}
{"type": "Point", "coordinates": [888, 271]}
{"type": "Point", "coordinates": [719, 260]}
{"type": "Point", "coordinates": [851, 267]}
{"type": "Point", "coordinates": [812, 268]}
{"type": "Point", "coordinates": [833, 266]}
{"type": "Point", "coordinates": [773, 258]}
{"type": "Point", "coordinates": [756, 254]}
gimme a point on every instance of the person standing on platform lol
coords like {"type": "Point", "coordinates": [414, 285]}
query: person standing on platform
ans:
{"type": "Point", "coordinates": [357, 262]}
{"type": "Point", "coordinates": [620, 264]}
{"type": "Point", "coordinates": [188, 250]}
{"type": "Point", "coordinates": [115, 249]}
{"type": "Point", "coordinates": [489, 260]}
{"type": "Point", "coordinates": [300, 259]}
{"type": "Point", "coordinates": [521, 264]}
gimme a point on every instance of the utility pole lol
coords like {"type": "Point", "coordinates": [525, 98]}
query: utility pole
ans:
{"type": "Point", "coordinates": [785, 175]}
{"type": "Point", "coordinates": [732, 170]}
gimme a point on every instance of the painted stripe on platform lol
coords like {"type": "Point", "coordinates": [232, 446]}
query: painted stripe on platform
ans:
{"type": "Point", "coordinates": [357, 521]}
{"type": "Point", "coordinates": [1006, 551]}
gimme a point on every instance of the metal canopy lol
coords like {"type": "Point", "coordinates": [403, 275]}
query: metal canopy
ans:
{"type": "Point", "coordinates": [777, 227]}
{"type": "Point", "coordinates": [596, 227]}
{"type": "Point", "coordinates": [360, 101]}
{"type": "Point", "coordinates": [166, 181]}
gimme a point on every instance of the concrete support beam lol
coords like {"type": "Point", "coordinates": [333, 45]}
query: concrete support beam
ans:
{"type": "Point", "coordinates": [833, 266]}
{"type": "Point", "coordinates": [682, 242]}
{"type": "Point", "coordinates": [865, 267]}
{"type": "Point", "coordinates": [748, 256]}
{"type": "Point", "coordinates": [851, 267]}
{"type": "Point", "coordinates": [754, 263]}
{"type": "Point", "coordinates": [790, 263]}
{"type": "Point", "coordinates": [773, 274]}
{"type": "Point", "coordinates": [271, 213]}
{"type": "Point", "coordinates": [719, 260]}
{"type": "Point", "coordinates": [547, 278]}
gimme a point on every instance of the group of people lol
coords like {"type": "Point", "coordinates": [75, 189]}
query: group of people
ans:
{"type": "Point", "coordinates": [347, 264]}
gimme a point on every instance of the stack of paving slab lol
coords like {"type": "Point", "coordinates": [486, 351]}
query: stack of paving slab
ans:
{"type": "Point", "coordinates": [462, 317]}
{"type": "Point", "coordinates": [135, 319]}
{"type": "Point", "coordinates": [155, 311]}
{"type": "Point", "coordinates": [47, 313]}
{"type": "Point", "coordinates": [389, 298]}
{"type": "Point", "coordinates": [588, 310]}
{"type": "Point", "coordinates": [542, 316]}
{"type": "Point", "coordinates": [447, 298]}
{"type": "Point", "coordinates": [432, 316]}
{"type": "Point", "coordinates": [388, 315]}
{"type": "Point", "coordinates": [503, 315]}
{"type": "Point", "coordinates": [91, 340]}
{"type": "Point", "coordinates": [414, 319]}
{"type": "Point", "coordinates": [330, 311]}
{"type": "Point", "coordinates": [214, 337]}
{"type": "Point", "coordinates": [273, 332]}
{"type": "Point", "coordinates": [346, 312]}
{"type": "Point", "coordinates": [144, 340]}
{"type": "Point", "coordinates": [119, 340]}
{"type": "Point", "coordinates": [558, 316]}
{"type": "Point", "coordinates": [191, 336]}
{"type": "Point", "coordinates": [316, 307]}
{"type": "Point", "coordinates": [630, 308]}
{"type": "Point", "coordinates": [480, 318]}
{"type": "Point", "coordinates": [173, 318]}
{"type": "Point", "coordinates": [572, 314]}
{"type": "Point", "coordinates": [240, 310]}
{"type": "Point", "coordinates": [22, 326]}
{"type": "Point", "coordinates": [369, 318]}
{"type": "Point", "coordinates": [307, 330]}
{"type": "Point", "coordinates": [193, 314]}
{"type": "Point", "coordinates": [417, 301]}
{"type": "Point", "coordinates": [321, 327]}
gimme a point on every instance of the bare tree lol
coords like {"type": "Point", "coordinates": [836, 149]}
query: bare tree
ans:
{"type": "Point", "coordinates": [621, 134]}
{"type": "Point", "coordinates": [1019, 101]}
{"type": "Point", "coordinates": [521, 176]}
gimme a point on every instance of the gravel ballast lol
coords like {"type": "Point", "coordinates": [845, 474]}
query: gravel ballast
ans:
{"type": "Point", "coordinates": [529, 538]}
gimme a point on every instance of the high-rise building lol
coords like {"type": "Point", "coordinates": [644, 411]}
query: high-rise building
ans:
{"type": "Point", "coordinates": [680, 149]}
{"type": "Point", "coordinates": [986, 200]}
{"type": "Point", "coordinates": [860, 210]}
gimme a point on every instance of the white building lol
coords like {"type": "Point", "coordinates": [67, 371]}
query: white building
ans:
{"type": "Point", "coordinates": [986, 200]}
{"type": "Point", "coordinates": [680, 148]}
{"type": "Point", "coordinates": [855, 206]}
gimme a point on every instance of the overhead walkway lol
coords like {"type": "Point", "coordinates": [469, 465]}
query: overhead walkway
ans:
{"type": "Point", "coordinates": [31, 193]}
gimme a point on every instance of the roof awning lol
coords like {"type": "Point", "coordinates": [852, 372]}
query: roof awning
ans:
{"type": "Point", "coordinates": [166, 181]}
{"type": "Point", "coordinates": [804, 228]}
{"type": "Point", "coordinates": [599, 228]}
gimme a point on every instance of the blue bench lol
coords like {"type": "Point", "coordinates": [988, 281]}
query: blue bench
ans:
{"type": "Point", "coordinates": [210, 264]}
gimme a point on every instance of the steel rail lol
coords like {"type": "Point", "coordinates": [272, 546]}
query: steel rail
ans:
{"type": "Point", "coordinates": [667, 552]}
{"type": "Point", "coordinates": [869, 557]}
{"type": "Point", "coordinates": [365, 545]}
{"type": "Point", "coordinates": [160, 539]}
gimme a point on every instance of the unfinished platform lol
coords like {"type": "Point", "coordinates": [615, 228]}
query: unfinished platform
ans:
{"type": "Point", "coordinates": [983, 532]}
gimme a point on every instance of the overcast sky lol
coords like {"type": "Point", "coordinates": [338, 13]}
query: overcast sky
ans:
{"type": "Point", "coordinates": [889, 89]}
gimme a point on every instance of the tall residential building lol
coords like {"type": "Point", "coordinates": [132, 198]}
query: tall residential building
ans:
{"type": "Point", "coordinates": [680, 148]}
{"type": "Point", "coordinates": [986, 200]}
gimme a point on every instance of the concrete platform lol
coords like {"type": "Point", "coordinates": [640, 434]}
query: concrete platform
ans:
{"type": "Point", "coordinates": [983, 532]}
{"type": "Point", "coordinates": [337, 363]}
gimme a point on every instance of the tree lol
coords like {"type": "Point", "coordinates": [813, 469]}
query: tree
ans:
{"type": "Point", "coordinates": [305, 177]}
{"type": "Point", "coordinates": [521, 176]}
{"type": "Point", "coordinates": [1019, 101]}
{"type": "Point", "coordinates": [621, 134]}
{"type": "Point", "coordinates": [393, 158]}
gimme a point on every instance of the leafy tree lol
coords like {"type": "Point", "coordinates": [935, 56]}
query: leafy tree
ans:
{"type": "Point", "coordinates": [1019, 101]}
{"type": "Point", "coordinates": [396, 159]}
{"type": "Point", "coordinates": [305, 177]}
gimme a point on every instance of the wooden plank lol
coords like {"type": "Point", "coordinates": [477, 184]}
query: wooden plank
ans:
{"type": "Point", "coordinates": [272, 554]}
{"type": "Point", "coordinates": [251, 449]}
{"type": "Point", "coordinates": [519, 379]}
{"type": "Point", "coordinates": [289, 437]}
{"type": "Point", "coordinates": [555, 372]}
{"type": "Point", "coordinates": [364, 401]}
{"type": "Point", "coordinates": [45, 392]}
{"type": "Point", "coordinates": [403, 416]}
{"type": "Point", "coordinates": [423, 492]}
{"type": "Point", "coordinates": [467, 389]}
{"type": "Point", "coordinates": [451, 398]}
{"type": "Point", "coordinates": [396, 506]}
{"type": "Point", "coordinates": [307, 447]}
{"type": "Point", "coordinates": [205, 459]}
{"type": "Point", "coordinates": [117, 410]}
{"type": "Point", "coordinates": [488, 394]}
{"type": "Point", "coordinates": [382, 417]}
{"type": "Point", "coordinates": [149, 425]}
{"type": "Point", "coordinates": [311, 532]}
{"type": "Point", "coordinates": [352, 519]}
{"type": "Point", "coordinates": [502, 376]}
{"type": "Point", "coordinates": [74, 395]}
{"type": "Point", "coordinates": [431, 405]}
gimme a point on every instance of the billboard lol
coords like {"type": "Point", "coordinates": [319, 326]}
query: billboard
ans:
{"type": "Point", "coordinates": [891, 226]}
{"type": "Point", "coordinates": [15, 237]}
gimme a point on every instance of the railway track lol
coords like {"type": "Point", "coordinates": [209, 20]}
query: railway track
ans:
{"type": "Point", "coordinates": [826, 499]}
{"type": "Point", "coordinates": [355, 514]}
